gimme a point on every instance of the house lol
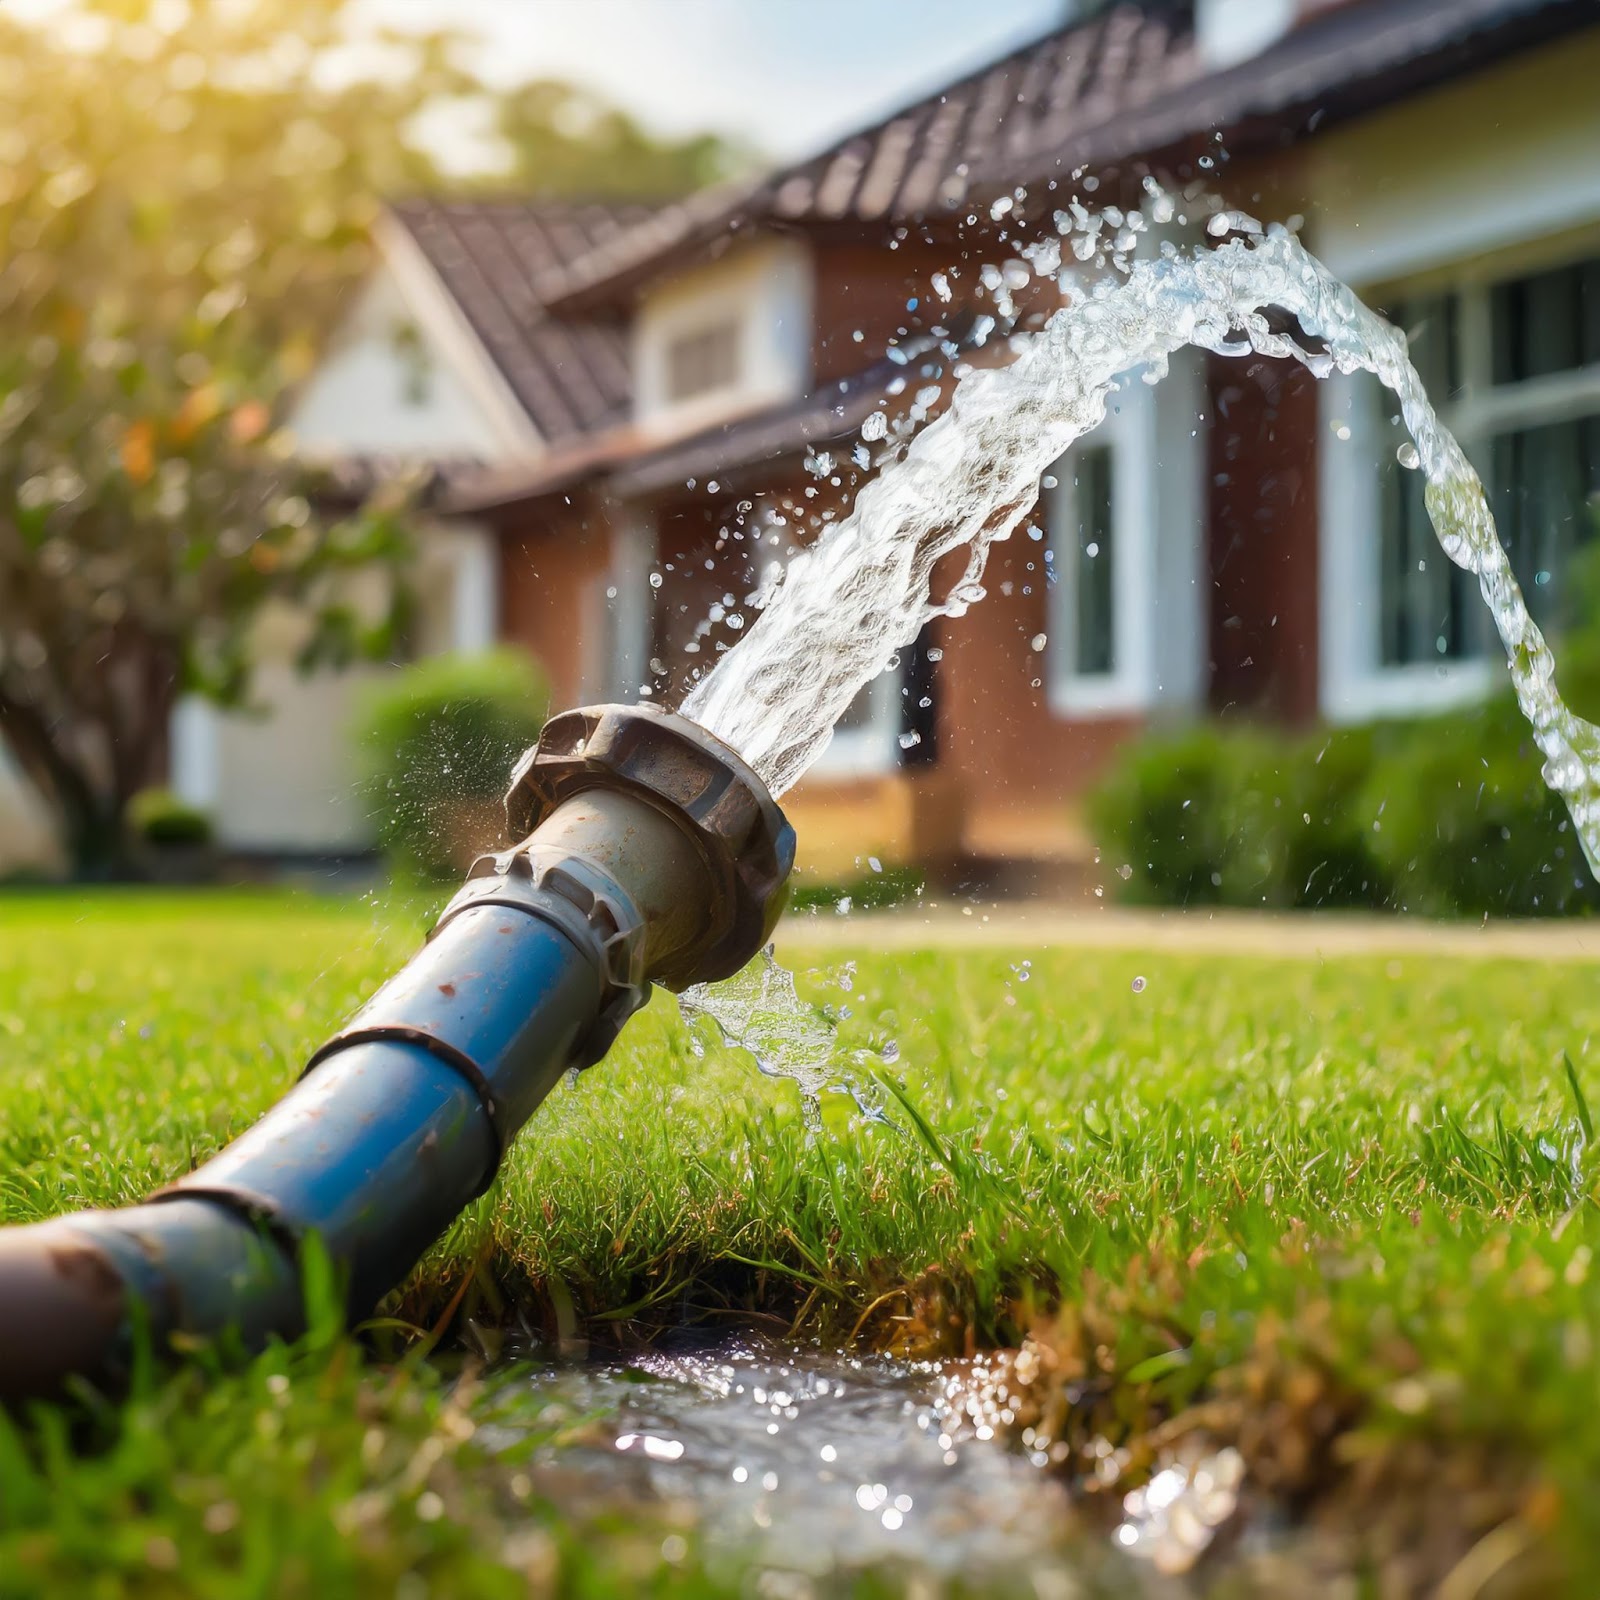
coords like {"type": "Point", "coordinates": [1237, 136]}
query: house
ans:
{"type": "Point", "coordinates": [656, 406]}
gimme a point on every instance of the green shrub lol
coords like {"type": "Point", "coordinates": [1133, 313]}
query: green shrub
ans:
{"type": "Point", "coordinates": [440, 739]}
{"type": "Point", "coordinates": [1463, 823]}
{"type": "Point", "coordinates": [1447, 816]}
{"type": "Point", "coordinates": [159, 817]}
{"type": "Point", "coordinates": [1327, 856]}
{"type": "Point", "coordinates": [1237, 817]}
{"type": "Point", "coordinates": [1167, 817]}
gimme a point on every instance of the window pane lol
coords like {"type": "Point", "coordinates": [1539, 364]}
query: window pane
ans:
{"type": "Point", "coordinates": [1543, 481]}
{"type": "Point", "coordinates": [1427, 611]}
{"type": "Point", "coordinates": [1094, 649]}
{"type": "Point", "coordinates": [1429, 322]}
{"type": "Point", "coordinates": [1547, 322]}
{"type": "Point", "coordinates": [700, 362]}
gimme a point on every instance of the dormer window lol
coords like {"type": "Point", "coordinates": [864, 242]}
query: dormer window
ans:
{"type": "Point", "coordinates": [724, 338]}
{"type": "Point", "coordinates": [703, 360]}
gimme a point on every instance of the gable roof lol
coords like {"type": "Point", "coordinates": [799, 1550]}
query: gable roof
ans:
{"type": "Point", "coordinates": [570, 376]}
{"type": "Point", "coordinates": [1127, 83]}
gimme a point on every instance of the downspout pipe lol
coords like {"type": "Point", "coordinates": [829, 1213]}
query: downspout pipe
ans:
{"type": "Point", "coordinates": [650, 853]}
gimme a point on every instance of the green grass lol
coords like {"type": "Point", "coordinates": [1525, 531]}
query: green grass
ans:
{"type": "Point", "coordinates": [1356, 1197]}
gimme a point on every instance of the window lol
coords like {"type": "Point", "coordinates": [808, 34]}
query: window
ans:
{"type": "Point", "coordinates": [1515, 368]}
{"type": "Point", "coordinates": [1093, 543]}
{"type": "Point", "coordinates": [864, 742]}
{"type": "Point", "coordinates": [1426, 602]}
{"type": "Point", "coordinates": [1544, 479]}
{"type": "Point", "coordinates": [703, 361]}
{"type": "Point", "coordinates": [1089, 564]}
{"type": "Point", "coordinates": [1120, 522]}
{"type": "Point", "coordinates": [723, 337]}
{"type": "Point", "coordinates": [1512, 362]}
{"type": "Point", "coordinates": [1547, 322]}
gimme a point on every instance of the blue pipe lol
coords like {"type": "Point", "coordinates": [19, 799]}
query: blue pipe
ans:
{"type": "Point", "coordinates": [655, 855]}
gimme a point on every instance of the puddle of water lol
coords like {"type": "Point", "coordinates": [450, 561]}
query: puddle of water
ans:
{"type": "Point", "coordinates": [799, 1467]}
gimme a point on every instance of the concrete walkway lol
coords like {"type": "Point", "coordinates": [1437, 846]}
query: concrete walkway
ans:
{"type": "Point", "coordinates": [1303, 935]}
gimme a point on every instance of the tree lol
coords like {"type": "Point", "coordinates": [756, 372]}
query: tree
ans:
{"type": "Point", "coordinates": [186, 194]}
{"type": "Point", "coordinates": [182, 203]}
{"type": "Point", "coordinates": [566, 141]}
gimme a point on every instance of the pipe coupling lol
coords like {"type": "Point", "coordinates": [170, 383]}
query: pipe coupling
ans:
{"type": "Point", "coordinates": [719, 804]}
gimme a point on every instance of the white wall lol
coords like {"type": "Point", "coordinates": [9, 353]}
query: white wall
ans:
{"type": "Point", "coordinates": [27, 836]}
{"type": "Point", "coordinates": [767, 284]}
{"type": "Point", "coordinates": [372, 396]}
{"type": "Point", "coordinates": [286, 779]}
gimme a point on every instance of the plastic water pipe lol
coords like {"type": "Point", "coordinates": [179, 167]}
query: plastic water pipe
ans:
{"type": "Point", "coordinates": [651, 854]}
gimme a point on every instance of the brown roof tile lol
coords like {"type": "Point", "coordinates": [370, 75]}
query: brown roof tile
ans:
{"type": "Point", "coordinates": [571, 376]}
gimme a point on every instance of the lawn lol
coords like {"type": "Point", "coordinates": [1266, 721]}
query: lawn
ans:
{"type": "Point", "coordinates": [1338, 1214]}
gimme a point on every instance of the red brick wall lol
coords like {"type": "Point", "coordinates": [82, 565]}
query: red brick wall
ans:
{"type": "Point", "coordinates": [1017, 758]}
{"type": "Point", "coordinates": [551, 558]}
{"type": "Point", "coordinates": [864, 287]}
{"type": "Point", "coordinates": [1262, 541]}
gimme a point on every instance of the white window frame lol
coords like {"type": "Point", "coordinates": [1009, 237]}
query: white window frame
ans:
{"type": "Point", "coordinates": [1129, 433]}
{"type": "Point", "coordinates": [766, 288]}
{"type": "Point", "coordinates": [458, 576]}
{"type": "Point", "coordinates": [871, 750]}
{"type": "Point", "coordinates": [1356, 686]}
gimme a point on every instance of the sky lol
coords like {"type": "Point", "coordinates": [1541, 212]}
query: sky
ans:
{"type": "Point", "coordinates": [784, 76]}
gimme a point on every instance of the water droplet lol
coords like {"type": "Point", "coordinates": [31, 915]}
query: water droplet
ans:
{"type": "Point", "coordinates": [875, 427]}
{"type": "Point", "coordinates": [1407, 456]}
{"type": "Point", "coordinates": [1138, 985]}
{"type": "Point", "coordinates": [1038, 642]}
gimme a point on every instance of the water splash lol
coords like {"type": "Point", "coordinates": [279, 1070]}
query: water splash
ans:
{"type": "Point", "coordinates": [760, 1011]}
{"type": "Point", "coordinates": [863, 592]}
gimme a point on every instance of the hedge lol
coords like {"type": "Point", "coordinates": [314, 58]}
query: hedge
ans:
{"type": "Point", "coordinates": [1445, 816]}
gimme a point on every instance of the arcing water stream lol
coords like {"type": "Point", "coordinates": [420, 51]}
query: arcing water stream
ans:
{"type": "Point", "coordinates": [847, 605]}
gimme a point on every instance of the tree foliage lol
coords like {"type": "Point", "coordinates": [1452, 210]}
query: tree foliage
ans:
{"type": "Point", "coordinates": [182, 203]}
{"type": "Point", "coordinates": [563, 140]}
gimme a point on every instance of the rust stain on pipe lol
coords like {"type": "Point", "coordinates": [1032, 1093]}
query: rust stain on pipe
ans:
{"type": "Point", "coordinates": [74, 1302]}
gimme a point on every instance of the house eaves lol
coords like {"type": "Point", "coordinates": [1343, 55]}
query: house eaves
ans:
{"type": "Point", "coordinates": [625, 464]}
